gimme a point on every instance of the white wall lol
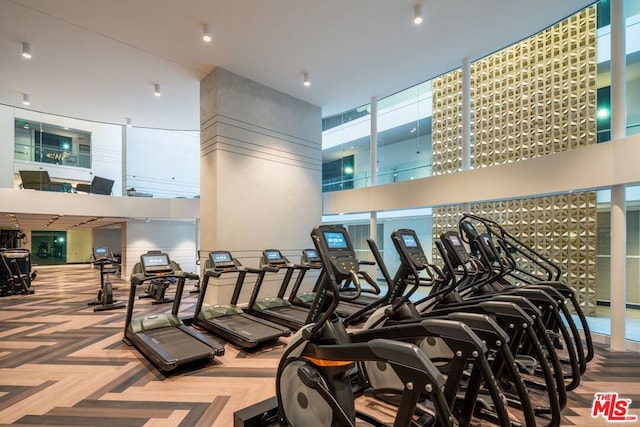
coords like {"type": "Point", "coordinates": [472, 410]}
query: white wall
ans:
{"type": "Point", "coordinates": [6, 146]}
{"type": "Point", "coordinates": [163, 163]}
{"type": "Point", "coordinates": [176, 238]}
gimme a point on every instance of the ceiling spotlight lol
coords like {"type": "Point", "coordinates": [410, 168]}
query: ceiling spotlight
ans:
{"type": "Point", "coordinates": [26, 99]}
{"type": "Point", "coordinates": [156, 90]}
{"type": "Point", "coordinates": [306, 81]}
{"type": "Point", "coordinates": [129, 122]}
{"type": "Point", "coordinates": [26, 50]}
{"type": "Point", "coordinates": [417, 14]}
{"type": "Point", "coordinates": [206, 33]}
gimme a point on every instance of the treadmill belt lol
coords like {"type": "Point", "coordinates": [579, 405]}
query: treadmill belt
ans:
{"type": "Point", "coordinates": [246, 327]}
{"type": "Point", "coordinates": [177, 343]}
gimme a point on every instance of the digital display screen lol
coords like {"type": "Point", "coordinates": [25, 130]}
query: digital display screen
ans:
{"type": "Point", "coordinates": [335, 240]}
{"type": "Point", "coordinates": [311, 254]}
{"type": "Point", "coordinates": [100, 251]}
{"type": "Point", "coordinates": [455, 240]}
{"type": "Point", "coordinates": [221, 257]}
{"type": "Point", "coordinates": [409, 241]}
{"type": "Point", "coordinates": [149, 260]}
{"type": "Point", "coordinates": [271, 255]}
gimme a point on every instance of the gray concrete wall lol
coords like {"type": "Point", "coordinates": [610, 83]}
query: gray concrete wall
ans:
{"type": "Point", "coordinates": [261, 169]}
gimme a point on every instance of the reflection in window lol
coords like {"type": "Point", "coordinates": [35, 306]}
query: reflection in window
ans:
{"type": "Point", "coordinates": [346, 150]}
{"type": "Point", "coordinates": [45, 143]}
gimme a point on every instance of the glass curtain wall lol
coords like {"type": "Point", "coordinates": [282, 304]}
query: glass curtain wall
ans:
{"type": "Point", "coordinates": [46, 143]}
{"type": "Point", "coordinates": [48, 247]}
{"type": "Point", "coordinates": [404, 135]}
{"type": "Point", "coordinates": [346, 150]}
{"type": "Point", "coordinates": [632, 14]}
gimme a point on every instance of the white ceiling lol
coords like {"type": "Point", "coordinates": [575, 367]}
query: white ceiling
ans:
{"type": "Point", "coordinates": [9, 221]}
{"type": "Point", "coordinates": [98, 60]}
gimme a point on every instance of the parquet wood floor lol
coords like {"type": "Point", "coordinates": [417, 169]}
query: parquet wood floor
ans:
{"type": "Point", "coordinates": [63, 364]}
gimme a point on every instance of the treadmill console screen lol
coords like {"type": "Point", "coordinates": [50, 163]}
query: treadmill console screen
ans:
{"type": "Point", "coordinates": [156, 263]}
{"type": "Point", "coordinates": [335, 240]}
{"type": "Point", "coordinates": [273, 256]}
{"type": "Point", "coordinates": [100, 252]}
{"type": "Point", "coordinates": [311, 255]}
{"type": "Point", "coordinates": [222, 259]}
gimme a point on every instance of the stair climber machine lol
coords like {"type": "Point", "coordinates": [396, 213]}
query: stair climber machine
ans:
{"type": "Point", "coordinates": [558, 320]}
{"type": "Point", "coordinates": [544, 304]}
{"type": "Point", "coordinates": [520, 265]}
{"type": "Point", "coordinates": [533, 352]}
{"type": "Point", "coordinates": [315, 377]}
{"type": "Point", "coordinates": [400, 311]}
{"type": "Point", "coordinates": [163, 338]}
{"type": "Point", "coordinates": [277, 309]}
{"type": "Point", "coordinates": [228, 320]}
{"type": "Point", "coordinates": [104, 300]}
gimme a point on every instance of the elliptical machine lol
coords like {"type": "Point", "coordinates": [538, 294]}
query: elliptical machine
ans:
{"type": "Point", "coordinates": [313, 384]}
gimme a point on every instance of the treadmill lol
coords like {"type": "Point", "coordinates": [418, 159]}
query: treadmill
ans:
{"type": "Point", "coordinates": [352, 310]}
{"type": "Point", "coordinates": [163, 338]}
{"type": "Point", "coordinates": [277, 309]}
{"type": "Point", "coordinates": [228, 320]}
{"type": "Point", "coordinates": [312, 261]}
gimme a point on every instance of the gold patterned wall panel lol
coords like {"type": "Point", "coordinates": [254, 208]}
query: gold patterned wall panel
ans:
{"type": "Point", "coordinates": [447, 124]}
{"type": "Point", "coordinates": [534, 98]}
{"type": "Point", "coordinates": [538, 96]}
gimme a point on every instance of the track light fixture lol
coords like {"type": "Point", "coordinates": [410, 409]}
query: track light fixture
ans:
{"type": "Point", "coordinates": [417, 14]}
{"type": "Point", "coordinates": [156, 90]}
{"type": "Point", "coordinates": [26, 50]}
{"type": "Point", "coordinates": [26, 99]}
{"type": "Point", "coordinates": [206, 33]}
{"type": "Point", "coordinates": [306, 81]}
{"type": "Point", "coordinates": [129, 122]}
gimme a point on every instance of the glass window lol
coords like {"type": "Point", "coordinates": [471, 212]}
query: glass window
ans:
{"type": "Point", "coordinates": [632, 12]}
{"type": "Point", "coordinates": [346, 150]}
{"type": "Point", "coordinates": [46, 143]}
{"type": "Point", "coordinates": [404, 135]}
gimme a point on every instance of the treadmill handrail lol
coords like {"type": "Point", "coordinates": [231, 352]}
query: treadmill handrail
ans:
{"type": "Point", "coordinates": [140, 278]}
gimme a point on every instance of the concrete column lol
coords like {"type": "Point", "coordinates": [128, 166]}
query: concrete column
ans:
{"type": "Point", "coordinates": [618, 267]}
{"type": "Point", "coordinates": [260, 170]}
{"type": "Point", "coordinates": [374, 141]}
{"type": "Point", "coordinates": [618, 196]}
{"type": "Point", "coordinates": [7, 143]}
{"type": "Point", "coordinates": [374, 162]}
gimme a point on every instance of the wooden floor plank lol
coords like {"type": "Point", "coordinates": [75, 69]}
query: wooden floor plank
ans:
{"type": "Point", "coordinates": [63, 364]}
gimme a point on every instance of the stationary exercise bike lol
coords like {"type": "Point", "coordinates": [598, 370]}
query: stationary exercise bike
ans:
{"type": "Point", "coordinates": [104, 300]}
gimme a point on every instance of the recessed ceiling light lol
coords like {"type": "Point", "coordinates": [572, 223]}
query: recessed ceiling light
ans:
{"type": "Point", "coordinates": [417, 14]}
{"type": "Point", "coordinates": [206, 33]}
{"type": "Point", "coordinates": [26, 50]}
